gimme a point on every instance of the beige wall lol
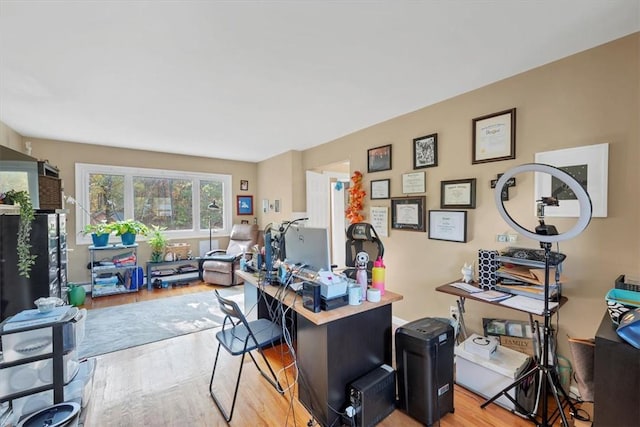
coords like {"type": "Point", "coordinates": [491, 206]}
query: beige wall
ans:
{"type": "Point", "coordinates": [10, 138]}
{"type": "Point", "coordinates": [585, 99]}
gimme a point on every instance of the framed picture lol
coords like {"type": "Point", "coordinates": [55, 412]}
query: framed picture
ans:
{"type": "Point", "coordinates": [494, 137]}
{"type": "Point", "coordinates": [425, 151]}
{"type": "Point", "coordinates": [588, 165]}
{"type": "Point", "coordinates": [448, 225]}
{"type": "Point", "coordinates": [458, 194]}
{"type": "Point", "coordinates": [380, 189]}
{"type": "Point", "coordinates": [379, 159]}
{"type": "Point", "coordinates": [413, 182]}
{"type": "Point", "coordinates": [407, 213]}
{"type": "Point", "coordinates": [244, 185]}
{"type": "Point", "coordinates": [380, 220]}
{"type": "Point", "coordinates": [244, 205]}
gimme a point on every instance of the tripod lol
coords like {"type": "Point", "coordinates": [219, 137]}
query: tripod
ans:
{"type": "Point", "coordinates": [548, 376]}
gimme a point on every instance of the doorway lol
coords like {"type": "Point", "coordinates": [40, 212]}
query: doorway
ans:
{"type": "Point", "coordinates": [326, 201]}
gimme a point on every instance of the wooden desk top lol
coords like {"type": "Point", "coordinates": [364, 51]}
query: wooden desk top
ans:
{"type": "Point", "coordinates": [294, 301]}
{"type": "Point", "coordinates": [461, 293]}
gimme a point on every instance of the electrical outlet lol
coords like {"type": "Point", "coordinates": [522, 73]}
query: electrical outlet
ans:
{"type": "Point", "coordinates": [501, 238]}
{"type": "Point", "coordinates": [513, 237]}
{"type": "Point", "coordinates": [453, 312]}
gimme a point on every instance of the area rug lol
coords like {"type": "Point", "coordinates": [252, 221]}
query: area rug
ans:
{"type": "Point", "coordinates": [116, 328]}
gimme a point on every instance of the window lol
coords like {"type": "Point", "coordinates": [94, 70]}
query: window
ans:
{"type": "Point", "coordinates": [176, 200]}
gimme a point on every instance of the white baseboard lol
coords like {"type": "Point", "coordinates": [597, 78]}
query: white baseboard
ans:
{"type": "Point", "coordinates": [396, 321]}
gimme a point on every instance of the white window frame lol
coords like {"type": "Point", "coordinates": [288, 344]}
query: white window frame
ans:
{"type": "Point", "coordinates": [84, 170]}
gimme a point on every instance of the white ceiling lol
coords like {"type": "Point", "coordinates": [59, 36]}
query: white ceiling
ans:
{"type": "Point", "coordinates": [248, 80]}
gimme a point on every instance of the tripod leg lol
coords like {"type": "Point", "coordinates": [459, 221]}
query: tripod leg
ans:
{"type": "Point", "coordinates": [533, 372]}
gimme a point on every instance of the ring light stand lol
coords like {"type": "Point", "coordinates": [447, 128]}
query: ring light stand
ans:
{"type": "Point", "coordinates": [546, 235]}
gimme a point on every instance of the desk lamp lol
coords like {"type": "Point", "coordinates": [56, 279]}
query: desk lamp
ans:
{"type": "Point", "coordinates": [546, 234]}
{"type": "Point", "coordinates": [213, 206]}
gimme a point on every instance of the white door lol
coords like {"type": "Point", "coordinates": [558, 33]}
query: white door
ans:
{"type": "Point", "coordinates": [317, 200]}
{"type": "Point", "coordinates": [325, 208]}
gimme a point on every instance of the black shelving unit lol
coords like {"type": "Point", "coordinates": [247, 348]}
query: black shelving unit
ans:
{"type": "Point", "coordinates": [48, 274]}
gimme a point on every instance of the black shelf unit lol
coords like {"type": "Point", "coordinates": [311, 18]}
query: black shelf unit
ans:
{"type": "Point", "coordinates": [49, 273]}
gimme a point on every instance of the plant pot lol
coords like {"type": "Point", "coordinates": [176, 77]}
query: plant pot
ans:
{"type": "Point", "coordinates": [100, 240]}
{"type": "Point", "coordinates": [157, 256]}
{"type": "Point", "coordinates": [77, 295]}
{"type": "Point", "coordinates": [128, 239]}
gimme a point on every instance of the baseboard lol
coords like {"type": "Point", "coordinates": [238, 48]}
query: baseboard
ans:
{"type": "Point", "coordinates": [396, 321]}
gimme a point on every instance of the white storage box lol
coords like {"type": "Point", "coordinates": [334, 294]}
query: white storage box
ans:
{"type": "Point", "coordinates": [78, 391]}
{"type": "Point", "coordinates": [487, 377]}
{"type": "Point", "coordinates": [35, 374]}
{"type": "Point", "coordinates": [19, 345]}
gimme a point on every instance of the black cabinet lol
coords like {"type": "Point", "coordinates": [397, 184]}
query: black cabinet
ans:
{"type": "Point", "coordinates": [616, 378]}
{"type": "Point", "coordinates": [48, 274]}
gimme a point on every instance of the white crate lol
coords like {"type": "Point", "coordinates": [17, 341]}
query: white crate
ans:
{"type": "Point", "coordinates": [487, 377]}
{"type": "Point", "coordinates": [35, 374]}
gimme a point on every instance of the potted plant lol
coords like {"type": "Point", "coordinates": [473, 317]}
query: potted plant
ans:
{"type": "Point", "coordinates": [158, 243]}
{"type": "Point", "coordinates": [100, 233]}
{"type": "Point", "coordinates": [25, 258]}
{"type": "Point", "coordinates": [128, 229]}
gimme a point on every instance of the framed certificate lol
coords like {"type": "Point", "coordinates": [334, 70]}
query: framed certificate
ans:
{"type": "Point", "coordinates": [458, 194]}
{"type": "Point", "coordinates": [407, 213]}
{"type": "Point", "coordinates": [494, 137]}
{"type": "Point", "coordinates": [413, 182]}
{"type": "Point", "coordinates": [448, 225]}
{"type": "Point", "coordinates": [380, 189]}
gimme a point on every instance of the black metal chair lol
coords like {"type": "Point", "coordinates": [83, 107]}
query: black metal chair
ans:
{"type": "Point", "coordinates": [240, 337]}
{"type": "Point", "coordinates": [361, 237]}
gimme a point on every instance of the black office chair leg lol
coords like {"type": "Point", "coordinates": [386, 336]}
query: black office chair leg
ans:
{"type": "Point", "coordinates": [227, 416]}
{"type": "Point", "coordinates": [273, 380]}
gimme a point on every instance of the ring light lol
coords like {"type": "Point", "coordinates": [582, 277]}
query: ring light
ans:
{"type": "Point", "coordinates": [583, 199]}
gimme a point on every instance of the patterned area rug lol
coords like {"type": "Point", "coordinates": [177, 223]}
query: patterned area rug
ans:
{"type": "Point", "coordinates": [116, 328]}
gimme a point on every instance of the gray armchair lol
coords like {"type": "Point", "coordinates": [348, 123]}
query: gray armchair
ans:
{"type": "Point", "coordinates": [218, 267]}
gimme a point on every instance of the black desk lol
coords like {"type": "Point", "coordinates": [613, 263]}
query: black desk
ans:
{"type": "Point", "coordinates": [334, 347]}
{"type": "Point", "coordinates": [616, 378]}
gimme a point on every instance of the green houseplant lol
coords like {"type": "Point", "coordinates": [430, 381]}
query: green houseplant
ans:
{"type": "Point", "coordinates": [128, 229]}
{"type": "Point", "coordinates": [99, 233]}
{"type": "Point", "coordinates": [25, 258]}
{"type": "Point", "coordinates": [158, 243]}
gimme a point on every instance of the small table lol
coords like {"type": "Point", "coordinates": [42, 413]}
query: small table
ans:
{"type": "Point", "coordinates": [176, 276]}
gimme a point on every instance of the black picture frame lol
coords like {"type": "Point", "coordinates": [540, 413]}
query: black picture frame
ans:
{"type": "Point", "coordinates": [380, 189]}
{"type": "Point", "coordinates": [494, 137]}
{"type": "Point", "coordinates": [244, 205]}
{"type": "Point", "coordinates": [446, 225]}
{"type": "Point", "coordinates": [244, 185]}
{"type": "Point", "coordinates": [408, 213]}
{"type": "Point", "coordinates": [379, 158]}
{"type": "Point", "coordinates": [425, 151]}
{"type": "Point", "coordinates": [458, 194]}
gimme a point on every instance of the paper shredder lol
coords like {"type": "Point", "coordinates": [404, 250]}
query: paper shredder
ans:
{"type": "Point", "coordinates": [424, 361]}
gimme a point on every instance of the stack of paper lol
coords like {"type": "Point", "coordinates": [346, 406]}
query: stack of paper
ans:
{"type": "Point", "coordinates": [492, 295]}
{"type": "Point", "coordinates": [522, 280]}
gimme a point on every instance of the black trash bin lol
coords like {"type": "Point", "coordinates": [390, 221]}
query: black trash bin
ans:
{"type": "Point", "coordinates": [424, 361]}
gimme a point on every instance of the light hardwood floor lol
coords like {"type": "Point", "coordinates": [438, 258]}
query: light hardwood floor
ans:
{"type": "Point", "coordinates": [166, 383]}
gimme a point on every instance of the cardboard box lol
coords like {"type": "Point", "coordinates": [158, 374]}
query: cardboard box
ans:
{"type": "Point", "coordinates": [523, 345]}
